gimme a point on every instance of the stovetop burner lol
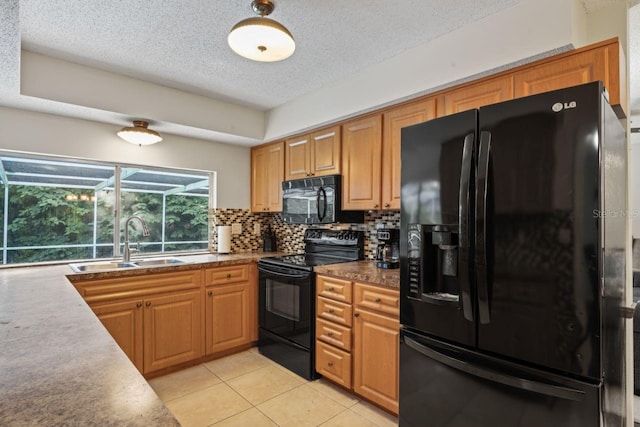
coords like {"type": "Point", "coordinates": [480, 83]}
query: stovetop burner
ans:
{"type": "Point", "coordinates": [323, 246]}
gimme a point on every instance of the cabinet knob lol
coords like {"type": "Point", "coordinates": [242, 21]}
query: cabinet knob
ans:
{"type": "Point", "coordinates": [387, 205]}
{"type": "Point", "coordinates": [356, 314]}
{"type": "Point", "coordinates": [378, 299]}
{"type": "Point", "coordinates": [330, 288]}
{"type": "Point", "coordinates": [139, 304]}
{"type": "Point", "coordinates": [148, 304]}
{"type": "Point", "coordinates": [312, 174]}
{"type": "Point", "coordinates": [331, 310]}
{"type": "Point", "coordinates": [330, 364]}
{"type": "Point", "coordinates": [375, 206]}
{"type": "Point", "coordinates": [228, 275]}
{"type": "Point", "coordinates": [330, 334]}
{"type": "Point", "coordinates": [210, 293]}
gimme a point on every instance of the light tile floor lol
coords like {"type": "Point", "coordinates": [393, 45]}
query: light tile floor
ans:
{"type": "Point", "coordinates": [247, 389]}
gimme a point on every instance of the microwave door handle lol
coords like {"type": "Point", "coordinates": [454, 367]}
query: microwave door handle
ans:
{"type": "Point", "coordinates": [322, 191]}
{"type": "Point", "coordinates": [482, 191]}
{"type": "Point", "coordinates": [463, 227]}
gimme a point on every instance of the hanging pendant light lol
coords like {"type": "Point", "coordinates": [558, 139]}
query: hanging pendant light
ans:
{"type": "Point", "coordinates": [139, 134]}
{"type": "Point", "coordinates": [261, 39]}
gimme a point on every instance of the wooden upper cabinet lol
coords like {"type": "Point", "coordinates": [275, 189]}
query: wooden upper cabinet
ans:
{"type": "Point", "coordinates": [315, 154]}
{"type": "Point", "coordinates": [476, 95]}
{"type": "Point", "coordinates": [393, 122]}
{"type": "Point", "coordinates": [602, 62]}
{"type": "Point", "coordinates": [361, 157]}
{"type": "Point", "coordinates": [267, 174]}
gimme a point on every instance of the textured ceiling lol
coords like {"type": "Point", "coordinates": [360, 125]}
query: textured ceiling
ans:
{"type": "Point", "coordinates": [182, 43]}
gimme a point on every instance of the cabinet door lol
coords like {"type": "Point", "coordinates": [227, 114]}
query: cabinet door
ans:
{"type": "Point", "coordinates": [393, 122]}
{"type": "Point", "coordinates": [325, 152]}
{"type": "Point", "coordinates": [267, 174]}
{"type": "Point", "coordinates": [476, 95]}
{"type": "Point", "coordinates": [230, 316]}
{"type": "Point", "coordinates": [297, 158]}
{"type": "Point", "coordinates": [375, 358]}
{"type": "Point", "coordinates": [584, 67]}
{"type": "Point", "coordinates": [361, 156]}
{"type": "Point", "coordinates": [123, 320]}
{"type": "Point", "coordinates": [172, 330]}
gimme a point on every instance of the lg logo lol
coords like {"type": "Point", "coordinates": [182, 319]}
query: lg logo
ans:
{"type": "Point", "coordinates": [559, 106]}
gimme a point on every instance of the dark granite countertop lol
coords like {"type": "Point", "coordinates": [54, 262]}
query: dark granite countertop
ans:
{"type": "Point", "coordinates": [59, 365]}
{"type": "Point", "coordinates": [363, 271]}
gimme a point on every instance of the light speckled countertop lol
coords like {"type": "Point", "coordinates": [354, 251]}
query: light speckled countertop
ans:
{"type": "Point", "coordinates": [59, 366]}
{"type": "Point", "coordinates": [363, 271]}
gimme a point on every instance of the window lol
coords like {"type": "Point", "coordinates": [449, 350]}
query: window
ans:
{"type": "Point", "coordinates": [57, 210]}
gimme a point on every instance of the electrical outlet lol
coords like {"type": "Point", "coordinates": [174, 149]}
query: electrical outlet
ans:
{"type": "Point", "coordinates": [256, 228]}
{"type": "Point", "coordinates": [236, 228]}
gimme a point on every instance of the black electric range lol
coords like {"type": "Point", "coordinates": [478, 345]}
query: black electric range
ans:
{"type": "Point", "coordinates": [287, 300]}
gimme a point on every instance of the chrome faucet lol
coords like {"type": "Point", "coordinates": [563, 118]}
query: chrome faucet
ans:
{"type": "Point", "coordinates": [145, 232]}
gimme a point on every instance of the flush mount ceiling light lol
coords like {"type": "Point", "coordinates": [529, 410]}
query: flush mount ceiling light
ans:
{"type": "Point", "coordinates": [261, 39]}
{"type": "Point", "coordinates": [139, 134]}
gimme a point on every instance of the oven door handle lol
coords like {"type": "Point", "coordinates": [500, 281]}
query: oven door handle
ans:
{"type": "Point", "coordinates": [283, 274]}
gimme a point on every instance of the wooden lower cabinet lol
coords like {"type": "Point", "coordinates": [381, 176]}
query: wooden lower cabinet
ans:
{"type": "Point", "coordinates": [172, 330]}
{"type": "Point", "coordinates": [162, 320]}
{"type": "Point", "coordinates": [231, 307]}
{"type": "Point", "coordinates": [231, 317]}
{"type": "Point", "coordinates": [124, 322]}
{"type": "Point", "coordinates": [376, 358]}
{"type": "Point", "coordinates": [357, 344]}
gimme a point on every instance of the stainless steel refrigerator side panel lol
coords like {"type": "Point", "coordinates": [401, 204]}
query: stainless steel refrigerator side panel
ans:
{"type": "Point", "coordinates": [613, 225]}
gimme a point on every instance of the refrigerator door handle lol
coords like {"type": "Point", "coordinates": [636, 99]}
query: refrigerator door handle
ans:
{"type": "Point", "coordinates": [463, 227]}
{"type": "Point", "coordinates": [492, 375]}
{"type": "Point", "coordinates": [481, 227]}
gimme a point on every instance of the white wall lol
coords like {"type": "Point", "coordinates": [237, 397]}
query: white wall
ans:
{"type": "Point", "coordinates": [42, 133]}
{"type": "Point", "coordinates": [530, 28]}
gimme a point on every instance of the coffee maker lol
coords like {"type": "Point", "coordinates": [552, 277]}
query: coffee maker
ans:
{"type": "Point", "coordinates": [387, 252]}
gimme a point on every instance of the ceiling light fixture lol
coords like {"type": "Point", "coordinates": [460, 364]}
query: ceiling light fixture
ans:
{"type": "Point", "coordinates": [139, 134]}
{"type": "Point", "coordinates": [261, 39]}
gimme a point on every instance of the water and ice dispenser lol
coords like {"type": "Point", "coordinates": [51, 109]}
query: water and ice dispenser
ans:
{"type": "Point", "coordinates": [432, 256]}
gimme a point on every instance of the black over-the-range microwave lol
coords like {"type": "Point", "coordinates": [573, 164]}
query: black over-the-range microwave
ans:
{"type": "Point", "coordinates": [316, 200]}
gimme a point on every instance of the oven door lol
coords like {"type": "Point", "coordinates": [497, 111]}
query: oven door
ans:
{"type": "Point", "coordinates": [285, 306]}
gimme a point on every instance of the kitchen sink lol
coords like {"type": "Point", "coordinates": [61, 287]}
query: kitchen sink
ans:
{"type": "Point", "coordinates": [157, 262]}
{"type": "Point", "coordinates": [100, 266]}
{"type": "Point", "coordinates": [92, 267]}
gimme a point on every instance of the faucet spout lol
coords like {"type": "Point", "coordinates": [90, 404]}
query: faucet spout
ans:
{"type": "Point", "coordinates": [145, 232]}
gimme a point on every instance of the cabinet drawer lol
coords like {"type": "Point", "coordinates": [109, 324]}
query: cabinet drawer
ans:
{"type": "Point", "coordinates": [335, 311]}
{"type": "Point", "coordinates": [376, 298]}
{"type": "Point", "coordinates": [336, 289]}
{"type": "Point", "coordinates": [333, 363]}
{"type": "Point", "coordinates": [334, 334]}
{"type": "Point", "coordinates": [224, 275]}
{"type": "Point", "coordinates": [108, 289]}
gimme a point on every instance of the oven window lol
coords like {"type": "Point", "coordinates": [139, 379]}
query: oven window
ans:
{"type": "Point", "coordinates": [283, 300]}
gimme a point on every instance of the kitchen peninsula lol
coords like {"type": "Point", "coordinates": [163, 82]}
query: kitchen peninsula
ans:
{"type": "Point", "coordinates": [59, 365]}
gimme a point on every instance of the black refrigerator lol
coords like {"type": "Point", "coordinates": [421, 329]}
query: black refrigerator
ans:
{"type": "Point", "coordinates": [513, 232]}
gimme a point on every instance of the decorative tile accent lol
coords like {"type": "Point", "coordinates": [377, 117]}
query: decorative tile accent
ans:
{"type": "Point", "coordinates": [289, 236]}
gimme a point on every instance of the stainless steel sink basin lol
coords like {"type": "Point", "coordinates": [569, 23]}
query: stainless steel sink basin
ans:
{"type": "Point", "coordinates": [157, 262]}
{"type": "Point", "coordinates": [91, 267]}
{"type": "Point", "coordinates": [100, 266]}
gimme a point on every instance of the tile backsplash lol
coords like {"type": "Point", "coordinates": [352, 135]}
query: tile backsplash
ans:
{"type": "Point", "coordinates": [289, 236]}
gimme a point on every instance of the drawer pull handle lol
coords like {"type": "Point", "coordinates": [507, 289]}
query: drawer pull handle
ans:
{"type": "Point", "coordinates": [330, 364]}
{"type": "Point", "coordinates": [331, 310]}
{"type": "Point", "coordinates": [330, 288]}
{"type": "Point", "coordinates": [378, 299]}
{"type": "Point", "coordinates": [330, 334]}
{"type": "Point", "coordinates": [229, 276]}
{"type": "Point", "coordinates": [210, 293]}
